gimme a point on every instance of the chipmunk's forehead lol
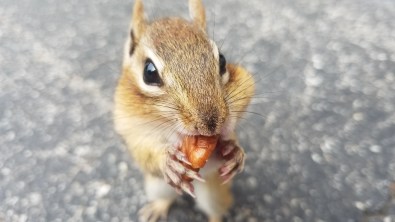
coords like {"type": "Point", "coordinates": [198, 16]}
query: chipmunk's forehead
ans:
{"type": "Point", "coordinates": [174, 37]}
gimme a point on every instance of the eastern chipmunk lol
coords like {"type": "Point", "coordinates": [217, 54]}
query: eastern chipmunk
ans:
{"type": "Point", "coordinates": [175, 82]}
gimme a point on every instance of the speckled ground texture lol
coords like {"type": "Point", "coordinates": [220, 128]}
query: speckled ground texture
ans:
{"type": "Point", "coordinates": [323, 148]}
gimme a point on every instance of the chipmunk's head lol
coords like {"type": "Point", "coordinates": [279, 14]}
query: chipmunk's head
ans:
{"type": "Point", "coordinates": [177, 72]}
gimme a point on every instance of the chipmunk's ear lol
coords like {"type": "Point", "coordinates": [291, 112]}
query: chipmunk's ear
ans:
{"type": "Point", "coordinates": [138, 19]}
{"type": "Point", "coordinates": [198, 14]}
{"type": "Point", "coordinates": [137, 25]}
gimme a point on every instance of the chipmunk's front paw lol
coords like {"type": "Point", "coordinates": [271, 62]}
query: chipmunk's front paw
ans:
{"type": "Point", "coordinates": [234, 160]}
{"type": "Point", "coordinates": [177, 175]}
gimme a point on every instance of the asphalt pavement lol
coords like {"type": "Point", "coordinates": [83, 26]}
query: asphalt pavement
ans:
{"type": "Point", "coordinates": [321, 149]}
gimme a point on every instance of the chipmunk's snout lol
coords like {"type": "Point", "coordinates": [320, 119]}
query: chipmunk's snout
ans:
{"type": "Point", "coordinates": [209, 123]}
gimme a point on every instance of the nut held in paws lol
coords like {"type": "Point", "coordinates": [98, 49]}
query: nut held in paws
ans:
{"type": "Point", "coordinates": [198, 149]}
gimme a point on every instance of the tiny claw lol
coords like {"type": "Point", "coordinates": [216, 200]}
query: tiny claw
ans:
{"type": "Point", "coordinates": [193, 175]}
{"type": "Point", "coordinates": [173, 177]}
{"type": "Point", "coordinates": [227, 168]}
{"type": "Point", "coordinates": [234, 156]}
{"type": "Point", "coordinates": [177, 167]}
{"type": "Point", "coordinates": [184, 159]}
{"type": "Point", "coordinates": [179, 156]}
{"type": "Point", "coordinates": [188, 189]}
{"type": "Point", "coordinates": [229, 177]}
{"type": "Point", "coordinates": [228, 149]}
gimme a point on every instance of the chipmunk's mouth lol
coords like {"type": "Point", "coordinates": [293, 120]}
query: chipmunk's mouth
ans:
{"type": "Point", "coordinates": [224, 134]}
{"type": "Point", "coordinates": [176, 139]}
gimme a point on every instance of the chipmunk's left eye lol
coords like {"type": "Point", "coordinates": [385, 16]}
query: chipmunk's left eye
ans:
{"type": "Point", "coordinates": [222, 64]}
{"type": "Point", "coordinates": [151, 75]}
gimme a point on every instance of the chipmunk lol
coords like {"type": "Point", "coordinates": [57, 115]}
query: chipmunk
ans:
{"type": "Point", "coordinates": [176, 82]}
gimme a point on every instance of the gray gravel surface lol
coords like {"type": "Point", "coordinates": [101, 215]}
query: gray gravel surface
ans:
{"type": "Point", "coordinates": [322, 148]}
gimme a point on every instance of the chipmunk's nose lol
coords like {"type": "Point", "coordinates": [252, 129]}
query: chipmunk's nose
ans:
{"type": "Point", "coordinates": [210, 123]}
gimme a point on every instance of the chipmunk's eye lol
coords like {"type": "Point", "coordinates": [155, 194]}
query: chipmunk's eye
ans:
{"type": "Point", "coordinates": [222, 64]}
{"type": "Point", "coordinates": [151, 75]}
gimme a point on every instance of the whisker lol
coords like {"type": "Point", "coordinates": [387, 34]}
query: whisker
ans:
{"type": "Point", "coordinates": [213, 34]}
{"type": "Point", "coordinates": [246, 122]}
{"type": "Point", "coordinates": [237, 92]}
{"type": "Point", "coordinates": [155, 112]}
{"type": "Point", "coordinates": [158, 128]}
{"type": "Point", "coordinates": [255, 97]}
{"type": "Point", "coordinates": [239, 85]}
{"type": "Point", "coordinates": [159, 104]}
{"type": "Point", "coordinates": [251, 112]}
{"type": "Point", "coordinates": [153, 121]}
{"type": "Point", "coordinates": [226, 36]}
{"type": "Point", "coordinates": [173, 129]}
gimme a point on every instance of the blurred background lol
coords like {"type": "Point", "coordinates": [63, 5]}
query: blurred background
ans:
{"type": "Point", "coordinates": [322, 148]}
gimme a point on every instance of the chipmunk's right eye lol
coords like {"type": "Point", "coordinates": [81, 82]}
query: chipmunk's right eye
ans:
{"type": "Point", "coordinates": [222, 64]}
{"type": "Point", "coordinates": [151, 75]}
